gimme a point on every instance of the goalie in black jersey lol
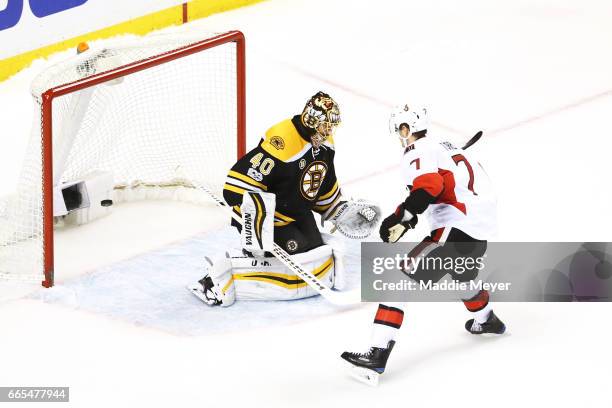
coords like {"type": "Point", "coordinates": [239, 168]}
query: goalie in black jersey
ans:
{"type": "Point", "coordinates": [275, 188]}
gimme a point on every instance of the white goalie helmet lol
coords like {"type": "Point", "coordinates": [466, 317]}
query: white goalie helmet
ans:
{"type": "Point", "coordinates": [415, 118]}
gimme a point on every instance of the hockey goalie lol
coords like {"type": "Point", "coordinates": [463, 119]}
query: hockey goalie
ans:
{"type": "Point", "coordinates": [274, 189]}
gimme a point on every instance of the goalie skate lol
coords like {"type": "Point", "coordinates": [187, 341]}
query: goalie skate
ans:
{"type": "Point", "coordinates": [197, 290]}
{"type": "Point", "coordinates": [216, 287]}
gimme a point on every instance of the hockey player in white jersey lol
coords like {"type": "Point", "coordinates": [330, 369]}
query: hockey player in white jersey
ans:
{"type": "Point", "coordinates": [450, 186]}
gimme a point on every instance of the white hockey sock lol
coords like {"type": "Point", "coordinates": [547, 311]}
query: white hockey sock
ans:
{"type": "Point", "coordinates": [387, 322]}
{"type": "Point", "coordinates": [482, 315]}
{"type": "Point", "coordinates": [479, 306]}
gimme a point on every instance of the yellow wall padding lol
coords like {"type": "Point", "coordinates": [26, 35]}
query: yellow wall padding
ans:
{"type": "Point", "coordinates": [142, 25]}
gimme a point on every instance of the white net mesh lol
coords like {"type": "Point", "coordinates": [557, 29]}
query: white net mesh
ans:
{"type": "Point", "coordinates": [151, 129]}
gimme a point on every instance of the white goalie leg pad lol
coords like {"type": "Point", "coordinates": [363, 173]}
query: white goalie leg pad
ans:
{"type": "Point", "coordinates": [258, 278]}
{"type": "Point", "coordinates": [216, 288]}
{"type": "Point", "coordinates": [257, 211]}
{"type": "Point", "coordinates": [221, 275]}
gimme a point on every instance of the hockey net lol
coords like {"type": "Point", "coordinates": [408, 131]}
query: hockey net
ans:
{"type": "Point", "coordinates": [152, 113]}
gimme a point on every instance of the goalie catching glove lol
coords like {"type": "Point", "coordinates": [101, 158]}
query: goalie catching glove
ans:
{"type": "Point", "coordinates": [395, 226]}
{"type": "Point", "coordinates": [354, 219]}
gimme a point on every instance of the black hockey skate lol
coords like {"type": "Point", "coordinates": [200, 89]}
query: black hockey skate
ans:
{"type": "Point", "coordinates": [368, 366]}
{"type": "Point", "coordinates": [492, 325]}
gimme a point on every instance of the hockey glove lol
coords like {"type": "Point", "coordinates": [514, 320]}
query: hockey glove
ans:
{"type": "Point", "coordinates": [354, 218]}
{"type": "Point", "coordinates": [395, 226]}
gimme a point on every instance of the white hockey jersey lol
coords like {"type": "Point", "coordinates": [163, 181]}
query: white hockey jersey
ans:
{"type": "Point", "coordinates": [465, 196]}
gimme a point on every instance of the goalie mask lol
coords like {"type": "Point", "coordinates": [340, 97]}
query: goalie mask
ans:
{"type": "Point", "coordinates": [322, 114]}
{"type": "Point", "coordinates": [405, 121]}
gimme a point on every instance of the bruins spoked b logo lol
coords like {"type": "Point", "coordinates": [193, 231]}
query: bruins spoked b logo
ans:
{"type": "Point", "coordinates": [312, 179]}
{"type": "Point", "coordinates": [292, 245]}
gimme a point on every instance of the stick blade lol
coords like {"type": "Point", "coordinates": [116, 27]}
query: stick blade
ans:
{"type": "Point", "coordinates": [473, 140]}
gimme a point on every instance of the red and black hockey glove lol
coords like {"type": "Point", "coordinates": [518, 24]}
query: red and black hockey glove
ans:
{"type": "Point", "coordinates": [395, 226]}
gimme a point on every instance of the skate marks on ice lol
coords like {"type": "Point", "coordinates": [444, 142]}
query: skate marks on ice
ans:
{"type": "Point", "coordinates": [149, 290]}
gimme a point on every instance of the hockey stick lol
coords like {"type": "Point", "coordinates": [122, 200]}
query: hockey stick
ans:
{"type": "Point", "coordinates": [337, 298]}
{"type": "Point", "coordinates": [473, 140]}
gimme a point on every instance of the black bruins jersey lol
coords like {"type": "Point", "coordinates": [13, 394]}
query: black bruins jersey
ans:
{"type": "Point", "coordinates": [285, 163]}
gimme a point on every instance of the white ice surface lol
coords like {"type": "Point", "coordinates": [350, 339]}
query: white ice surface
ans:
{"type": "Point", "coordinates": [150, 290]}
{"type": "Point", "coordinates": [533, 74]}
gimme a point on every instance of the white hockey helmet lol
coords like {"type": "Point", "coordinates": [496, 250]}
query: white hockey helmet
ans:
{"type": "Point", "coordinates": [415, 118]}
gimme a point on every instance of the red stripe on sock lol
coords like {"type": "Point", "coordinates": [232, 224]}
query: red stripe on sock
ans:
{"type": "Point", "coordinates": [478, 302]}
{"type": "Point", "coordinates": [390, 316]}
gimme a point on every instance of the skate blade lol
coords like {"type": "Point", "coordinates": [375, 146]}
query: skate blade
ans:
{"type": "Point", "coordinates": [197, 292]}
{"type": "Point", "coordinates": [364, 375]}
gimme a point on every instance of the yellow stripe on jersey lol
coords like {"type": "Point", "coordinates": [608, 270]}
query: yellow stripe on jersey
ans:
{"type": "Point", "coordinates": [285, 280]}
{"type": "Point", "coordinates": [233, 188]}
{"type": "Point", "coordinates": [283, 217]}
{"type": "Point", "coordinates": [328, 200]}
{"type": "Point", "coordinates": [247, 179]}
{"type": "Point", "coordinates": [321, 208]}
{"type": "Point", "coordinates": [330, 193]}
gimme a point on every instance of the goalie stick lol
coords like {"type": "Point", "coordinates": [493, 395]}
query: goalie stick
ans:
{"type": "Point", "coordinates": [337, 298]}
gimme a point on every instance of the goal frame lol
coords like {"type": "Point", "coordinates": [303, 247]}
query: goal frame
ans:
{"type": "Point", "coordinates": [96, 79]}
